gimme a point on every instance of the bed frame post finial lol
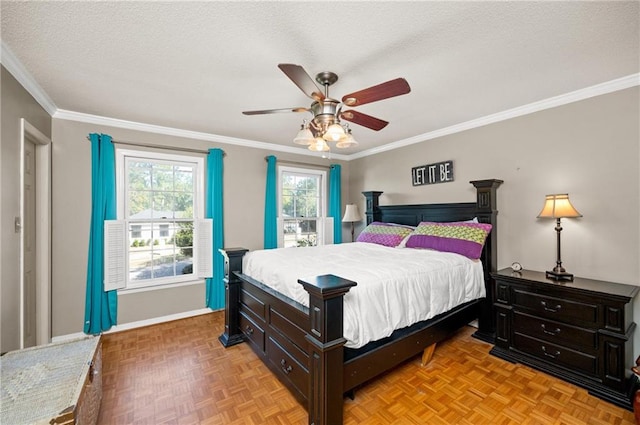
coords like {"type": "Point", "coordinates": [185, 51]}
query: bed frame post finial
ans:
{"type": "Point", "coordinates": [372, 210]}
{"type": "Point", "coordinates": [326, 348]}
{"type": "Point", "coordinates": [232, 263]}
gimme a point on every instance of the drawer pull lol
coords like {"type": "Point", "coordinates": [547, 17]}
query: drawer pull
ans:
{"type": "Point", "coordinates": [552, 333]}
{"type": "Point", "coordinates": [550, 309]}
{"type": "Point", "coordinates": [553, 356]}
{"type": "Point", "coordinates": [248, 329]}
{"type": "Point", "coordinates": [286, 369]}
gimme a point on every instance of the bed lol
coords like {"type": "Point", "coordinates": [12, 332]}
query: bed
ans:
{"type": "Point", "coordinates": [302, 340]}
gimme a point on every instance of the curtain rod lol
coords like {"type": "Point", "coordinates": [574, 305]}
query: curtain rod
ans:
{"type": "Point", "coordinates": [304, 164]}
{"type": "Point", "coordinates": [145, 145]}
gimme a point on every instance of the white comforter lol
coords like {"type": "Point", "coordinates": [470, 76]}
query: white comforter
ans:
{"type": "Point", "coordinates": [396, 286]}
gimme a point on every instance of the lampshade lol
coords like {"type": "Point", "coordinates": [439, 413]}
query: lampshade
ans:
{"type": "Point", "coordinates": [558, 206]}
{"type": "Point", "coordinates": [318, 145]}
{"type": "Point", "coordinates": [334, 133]}
{"type": "Point", "coordinates": [304, 137]}
{"type": "Point", "coordinates": [346, 141]}
{"type": "Point", "coordinates": [351, 213]}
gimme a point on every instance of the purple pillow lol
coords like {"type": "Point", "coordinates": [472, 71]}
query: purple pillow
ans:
{"type": "Point", "coordinates": [387, 234]}
{"type": "Point", "coordinates": [461, 238]}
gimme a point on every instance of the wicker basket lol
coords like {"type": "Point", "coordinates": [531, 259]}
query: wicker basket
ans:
{"type": "Point", "coordinates": [57, 383]}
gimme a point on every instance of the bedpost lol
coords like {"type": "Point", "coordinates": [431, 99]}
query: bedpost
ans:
{"type": "Point", "coordinates": [372, 211]}
{"type": "Point", "coordinates": [487, 212]}
{"type": "Point", "coordinates": [232, 263]}
{"type": "Point", "coordinates": [326, 348]}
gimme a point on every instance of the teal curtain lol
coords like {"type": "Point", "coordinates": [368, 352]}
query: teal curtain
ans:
{"type": "Point", "coordinates": [101, 308]}
{"type": "Point", "coordinates": [215, 211]}
{"type": "Point", "coordinates": [335, 201]}
{"type": "Point", "coordinates": [271, 206]}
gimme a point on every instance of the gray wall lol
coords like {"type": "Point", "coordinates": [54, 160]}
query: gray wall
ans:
{"type": "Point", "coordinates": [589, 149]}
{"type": "Point", "coordinates": [15, 103]}
{"type": "Point", "coordinates": [244, 187]}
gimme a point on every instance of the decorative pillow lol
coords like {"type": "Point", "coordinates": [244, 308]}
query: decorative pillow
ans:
{"type": "Point", "coordinates": [387, 234]}
{"type": "Point", "coordinates": [462, 238]}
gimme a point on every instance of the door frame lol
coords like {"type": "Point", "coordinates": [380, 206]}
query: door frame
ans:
{"type": "Point", "coordinates": [43, 231]}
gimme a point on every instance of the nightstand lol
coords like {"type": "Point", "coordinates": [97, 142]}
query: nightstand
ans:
{"type": "Point", "coordinates": [579, 331]}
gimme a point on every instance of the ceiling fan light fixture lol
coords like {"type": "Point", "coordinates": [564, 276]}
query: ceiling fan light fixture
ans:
{"type": "Point", "coordinates": [334, 133]}
{"type": "Point", "coordinates": [318, 145]}
{"type": "Point", "coordinates": [304, 137]}
{"type": "Point", "coordinates": [347, 141]}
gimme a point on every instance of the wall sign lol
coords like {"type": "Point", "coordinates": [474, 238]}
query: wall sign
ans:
{"type": "Point", "coordinates": [440, 172]}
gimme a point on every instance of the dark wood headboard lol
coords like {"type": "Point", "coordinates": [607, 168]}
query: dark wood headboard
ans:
{"type": "Point", "coordinates": [484, 209]}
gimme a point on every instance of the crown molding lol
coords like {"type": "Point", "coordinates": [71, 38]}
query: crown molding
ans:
{"type": "Point", "coordinates": [64, 114]}
{"type": "Point", "coordinates": [552, 102]}
{"type": "Point", "coordinates": [20, 73]}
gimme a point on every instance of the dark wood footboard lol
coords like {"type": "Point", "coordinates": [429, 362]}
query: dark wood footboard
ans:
{"type": "Point", "coordinates": [304, 347]}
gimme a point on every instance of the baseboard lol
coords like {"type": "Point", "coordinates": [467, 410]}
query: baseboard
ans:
{"type": "Point", "coordinates": [137, 324]}
{"type": "Point", "coordinates": [156, 320]}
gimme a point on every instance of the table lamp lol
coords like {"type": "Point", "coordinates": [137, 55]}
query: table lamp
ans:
{"type": "Point", "coordinates": [351, 215]}
{"type": "Point", "coordinates": [558, 206]}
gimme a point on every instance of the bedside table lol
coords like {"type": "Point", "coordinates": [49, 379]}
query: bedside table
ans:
{"type": "Point", "coordinates": [579, 331]}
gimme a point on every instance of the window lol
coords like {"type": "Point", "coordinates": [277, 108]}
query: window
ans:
{"type": "Point", "coordinates": [160, 199]}
{"type": "Point", "coordinates": [302, 205]}
{"type": "Point", "coordinates": [136, 231]}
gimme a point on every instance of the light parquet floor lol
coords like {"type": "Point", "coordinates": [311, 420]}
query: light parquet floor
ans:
{"type": "Point", "coordinates": [178, 373]}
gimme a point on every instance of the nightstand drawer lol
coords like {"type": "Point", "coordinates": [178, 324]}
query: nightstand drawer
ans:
{"type": "Point", "coordinates": [565, 310]}
{"type": "Point", "coordinates": [556, 332]}
{"type": "Point", "coordinates": [556, 354]}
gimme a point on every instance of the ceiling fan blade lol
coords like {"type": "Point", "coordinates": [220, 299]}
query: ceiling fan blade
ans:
{"type": "Point", "coordinates": [391, 88]}
{"type": "Point", "coordinates": [299, 76]}
{"type": "Point", "coordinates": [364, 120]}
{"type": "Point", "coordinates": [275, 111]}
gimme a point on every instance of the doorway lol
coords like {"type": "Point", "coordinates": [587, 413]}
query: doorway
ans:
{"type": "Point", "coordinates": [35, 237]}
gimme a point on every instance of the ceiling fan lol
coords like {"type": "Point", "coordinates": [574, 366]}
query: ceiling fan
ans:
{"type": "Point", "coordinates": [327, 113]}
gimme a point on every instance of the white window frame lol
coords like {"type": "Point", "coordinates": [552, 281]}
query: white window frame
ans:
{"type": "Point", "coordinates": [323, 236]}
{"type": "Point", "coordinates": [198, 211]}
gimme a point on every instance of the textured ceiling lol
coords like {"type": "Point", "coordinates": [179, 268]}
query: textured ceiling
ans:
{"type": "Point", "coordinates": [197, 65]}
